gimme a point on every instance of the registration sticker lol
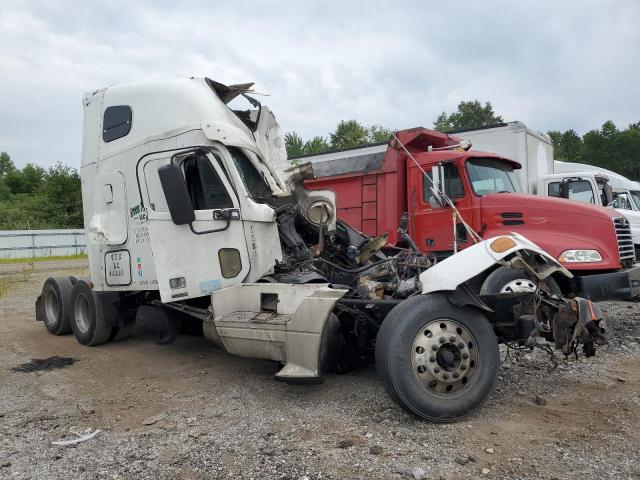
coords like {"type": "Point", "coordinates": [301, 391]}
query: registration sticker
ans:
{"type": "Point", "coordinates": [210, 285]}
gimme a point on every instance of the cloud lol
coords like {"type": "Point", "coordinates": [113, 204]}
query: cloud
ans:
{"type": "Point", "coordinates": [553, 65]}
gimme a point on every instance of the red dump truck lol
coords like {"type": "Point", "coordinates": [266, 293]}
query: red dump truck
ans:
{"type": "Point", "coordinates": [376, 184]}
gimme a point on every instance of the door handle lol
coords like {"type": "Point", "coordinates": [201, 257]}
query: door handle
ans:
{"type": "Point", "coordinates": [226, 214]}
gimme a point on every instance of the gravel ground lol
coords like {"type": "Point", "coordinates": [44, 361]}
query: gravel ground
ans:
{"type": "Point", "coordinates": [188, 411]}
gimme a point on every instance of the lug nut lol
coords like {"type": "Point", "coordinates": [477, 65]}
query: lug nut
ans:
{"type": "Point", "coordinates": [465, 355]}
{"type": "Point", "coordinates": [432, 358]}
{"type": "Point", "coordinates": [434, 348]}
{"type": "Point", "coordinates": [456, 374]}
{"type": "Point", "coordinates": [460, 345]}
{"type": "Point", "coordinates": [463, 367]}
{"type": "Point", "coordinates": [442, 340]}
{"type": "Point", "coordinates": [436, 370]}
{"type": "Point", "coordinates": [452, 339]}
{"type": "Point", "coordinates": [445, 376]}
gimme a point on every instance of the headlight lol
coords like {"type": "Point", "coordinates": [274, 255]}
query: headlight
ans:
{"type": "Point", "coordinates": [580, 256]}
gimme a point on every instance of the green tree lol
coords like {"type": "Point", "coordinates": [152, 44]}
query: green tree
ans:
{"type": "Point", "coordinates": [470, 114]}
{"type": "Point", "coordinates": [568, 147]}
{"type": "Point", "coordinates": [316, 145]}
{"type": "Point", "coordinates": [27, 180]}
{"type": "Point", "coordinates": [349, 134]}
{"type": "Point", "coordinates": [61, 193]}
{"type": "Point", "coordinates": [6, 164]}
{"type": "Point", "coordinates": [294, 144]}
{"type": "Point", "coordinates": [379, 134]}
{"type": "Point", "coordinates": [5, 191]}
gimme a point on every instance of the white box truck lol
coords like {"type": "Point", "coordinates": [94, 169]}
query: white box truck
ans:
{"type": "Point", "coordinates": [192, 221]}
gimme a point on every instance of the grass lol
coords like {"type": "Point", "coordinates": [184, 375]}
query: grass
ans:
{"type": "Point", "coordinates": [42, 259]}
{"type": "Point", "coordinates": [8, 281]}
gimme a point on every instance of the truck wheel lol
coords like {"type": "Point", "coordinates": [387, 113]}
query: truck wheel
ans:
{"type": "Point", "coordinates": [89, 319]}
{"type": "Point", "coordinates": [56, 305]}
{"type": "Point", "coordinates": [510, 280]}
{"type": "Point", "coordinates": [438, 361]}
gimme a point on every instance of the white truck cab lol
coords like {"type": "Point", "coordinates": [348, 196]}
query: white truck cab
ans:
{"type": "Point", "coordinates": [195, 224]}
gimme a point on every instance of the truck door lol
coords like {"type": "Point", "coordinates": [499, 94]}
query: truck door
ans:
{"type": "Point", "coordinates": [208, 254]}
{"type": "Point", "coordinates": [432, 224]}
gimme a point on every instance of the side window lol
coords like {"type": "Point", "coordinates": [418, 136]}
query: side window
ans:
{"type": "Point", "coordinates": [452, 183]}
{"type": "Point", "coordinates": [206, 189]}
{"type": "Point", "coordinates": [116, 122]}
{"type": "Point", "coordinates": [257, 187]}
{"type": "Point", "coordinates": [622, 201]}
{"type": "Point", "coordinates": [579, 190]}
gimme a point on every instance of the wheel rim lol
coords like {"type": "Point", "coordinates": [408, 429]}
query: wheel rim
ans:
{"type": "Point", "coordinates": [51, 306]}
{"type": "Point", "coordinates": [81, 310]}
{"type": "Point", "coordinates": [445, 356]}
{"type": "Point", "coordinates": [519, 285]}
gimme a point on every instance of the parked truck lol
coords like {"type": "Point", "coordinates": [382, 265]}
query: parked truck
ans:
{"type": "Point", "coordinates": [192, 226]}
{"type": "Point", "coordinates": [375, 184]}
{"type": "Point", "coordinates": [542, 175]}
{"type": "Point", "coordinates": [591, 184]}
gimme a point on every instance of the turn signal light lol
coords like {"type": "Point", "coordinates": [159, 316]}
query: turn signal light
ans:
{"type": "Point", "coordinates": [502, 244]}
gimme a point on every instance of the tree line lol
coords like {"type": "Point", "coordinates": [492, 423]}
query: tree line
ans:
{"type": "Point", "coordinates": [33, 197]}
{"type": "Point", "coordinates": [607, 146]}
{"type": "Point", "coordinates": [36, 198]}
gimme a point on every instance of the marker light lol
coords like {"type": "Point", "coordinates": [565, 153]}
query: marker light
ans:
{"type": "Point", "coordinates": [502, 244]}
{"type": "Point", "coordinates": [580, 256]}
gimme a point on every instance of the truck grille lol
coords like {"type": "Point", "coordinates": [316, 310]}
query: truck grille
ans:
{"type": "Point", "coordinates": [625, 243]}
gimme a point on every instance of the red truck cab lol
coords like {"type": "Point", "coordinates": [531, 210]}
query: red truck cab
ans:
{"type": "Point", "coordinates": [374, 186]}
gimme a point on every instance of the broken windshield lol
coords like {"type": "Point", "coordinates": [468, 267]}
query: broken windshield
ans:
{"type": "Point", "coordinates": [257, 187]}
{"type": "Point", "coordinates": [491, 175]}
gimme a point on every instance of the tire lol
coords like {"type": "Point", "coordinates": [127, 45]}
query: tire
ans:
{"type": "Point", "coordinates": [125, 320]}
{"type": "Point", "coordinates": [55, 306]}
{"type": "Point", "coordinates": [508, 280]}
{"type": "Point", "coordinates": [408, 374]}
{"type": "Point", "coordinates": [90, 321]}
{"type": "Point", "coordinates": [331, 344]}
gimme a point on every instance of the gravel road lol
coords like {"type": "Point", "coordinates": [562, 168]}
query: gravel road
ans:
{"type": "Point", "coordinates": [189, 411]}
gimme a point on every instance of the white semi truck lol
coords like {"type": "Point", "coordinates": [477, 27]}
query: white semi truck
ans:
{"type": "Point", "coordinates": [193, 224]}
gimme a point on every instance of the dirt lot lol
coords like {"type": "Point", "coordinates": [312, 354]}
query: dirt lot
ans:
{"type": "Point", "coordinates": [220, 416]}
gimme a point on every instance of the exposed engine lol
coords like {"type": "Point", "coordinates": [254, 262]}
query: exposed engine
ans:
{"type": "Point", "coordinates": [345, 258]}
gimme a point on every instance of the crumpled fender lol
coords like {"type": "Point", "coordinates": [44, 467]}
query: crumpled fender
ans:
{"type": "Point", "coordinates": [448, 274]}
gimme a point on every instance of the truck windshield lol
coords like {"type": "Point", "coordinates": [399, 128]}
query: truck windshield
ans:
{"type": "Point", "coordinates": [491, 175]}
{"type": "Point", "coordinates": [635, 194]}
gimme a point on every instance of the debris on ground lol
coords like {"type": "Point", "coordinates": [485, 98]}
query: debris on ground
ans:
{"type": "Point", "coordinates": [75, 441]}
{"type": "Point", "coordinates": [154, 419]}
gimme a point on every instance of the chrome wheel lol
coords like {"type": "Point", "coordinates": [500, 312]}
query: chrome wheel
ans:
{"type": "Point", "coordinates": [81, 311]}
{"type": "Point", "coordinates": [445, 356]}
{"type": "Point", "coordinates": [519, 285]}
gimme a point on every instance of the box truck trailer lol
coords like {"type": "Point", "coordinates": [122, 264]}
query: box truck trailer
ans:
{"type": "Point", "coordinates": [191, 221]}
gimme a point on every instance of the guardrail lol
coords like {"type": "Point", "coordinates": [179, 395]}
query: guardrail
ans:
{"type": "Point", "coordinates": [41, 243]}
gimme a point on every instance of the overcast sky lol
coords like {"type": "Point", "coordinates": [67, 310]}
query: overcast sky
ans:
{"type": "Point", "coordinates": [552, 64]}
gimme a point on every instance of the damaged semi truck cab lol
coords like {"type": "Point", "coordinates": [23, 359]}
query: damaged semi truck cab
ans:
{"type": "Point", "coordinates": [375, 185]}
{"type": "Point", "coordinates": [195, 224]}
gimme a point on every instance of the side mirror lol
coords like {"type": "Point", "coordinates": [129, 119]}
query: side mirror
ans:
{"type": "Point", "coordinates": [176, 193]}
{"type": "Point", "coordinates": [564, 189]}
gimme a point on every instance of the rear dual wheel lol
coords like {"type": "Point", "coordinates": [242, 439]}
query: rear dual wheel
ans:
{"type": "Point", "coordinates": [438, 361]}
{"type": "Point", "coordinates": [89, 315]}
{"type": "Point", "coordinates": [54, 305]}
